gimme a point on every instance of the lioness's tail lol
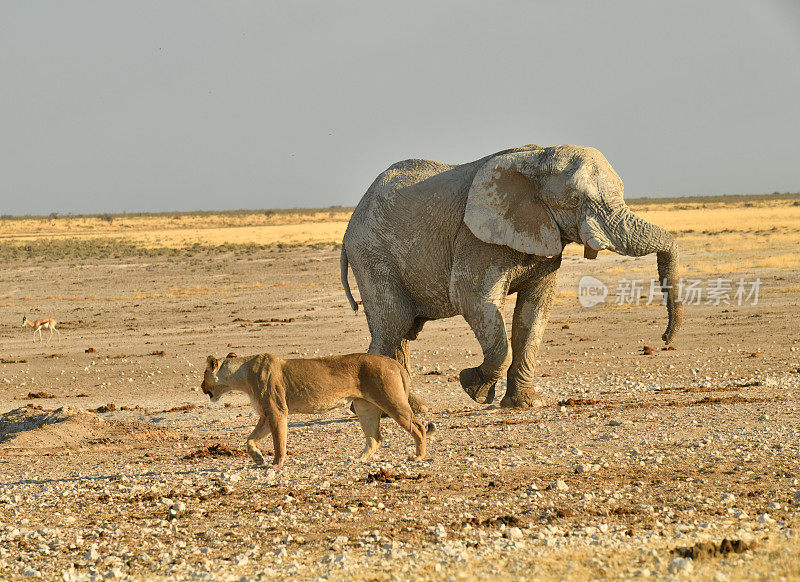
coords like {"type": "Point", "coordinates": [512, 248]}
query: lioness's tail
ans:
{"type": "Point", "coordinates": [345, 282]}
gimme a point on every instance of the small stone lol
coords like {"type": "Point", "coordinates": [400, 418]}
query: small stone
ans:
{"type": "Point", "coordinates": [765, 518]}
{"type": "Point", "coordinates": [440, 532]}
{"type": "Point", "coordinates": [232, 478]}
{"type": "Point", "coordinates": [559, 485]}
{"type": "Point", "coordinates": [728, 498]}
{"type": "Point", "coordinates": [681, 566]}
{"type": "Point", "coordinates": [92, 555]}
{"type": "Point", "coordinates": [513, 533]}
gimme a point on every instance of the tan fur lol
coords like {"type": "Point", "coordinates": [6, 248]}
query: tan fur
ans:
{"type": "Point", "coordinates": [46, 323]}
{"type": "Point", "coordinates": [277, 387]}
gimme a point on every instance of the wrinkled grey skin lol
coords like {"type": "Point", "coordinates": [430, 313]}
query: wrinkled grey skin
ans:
{"type": "Point", "coordinates": [431, 240]}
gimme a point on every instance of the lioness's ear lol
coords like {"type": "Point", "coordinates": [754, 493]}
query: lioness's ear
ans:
{"type": "Point", "coordinates": [211, 361]}
{"type": "Point", "coordinates": [231, 355]}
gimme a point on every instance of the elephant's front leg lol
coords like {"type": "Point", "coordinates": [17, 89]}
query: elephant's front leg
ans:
{"type": "Point", "coordinates": [486, 320]}
{"type": "Point", "coordinates": [531, 313]}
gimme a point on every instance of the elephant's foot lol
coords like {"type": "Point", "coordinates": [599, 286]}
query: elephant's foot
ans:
{"type": "Point", "coordinates": [522, 398]}
{"type": "Point", "coordinates": [473, 383]}
{"type": "Point", "coordinates": [417, 405]}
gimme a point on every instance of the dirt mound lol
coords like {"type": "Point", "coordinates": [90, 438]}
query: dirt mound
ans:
{"type": "Point", "coordinates": [35, 429]}
{"type": "Point", "coordinates": [215, 451]}
{"type": "Point", "coordinates": [710, 549]}
{"type": "Point", "coordinates": [383, 476]}
{"type": "Point", "coordinates": [577, 402]}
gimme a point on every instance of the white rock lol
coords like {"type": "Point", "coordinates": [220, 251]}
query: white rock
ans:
{"type": "Point", "coordinates": [728, 498]}
{"type": "Point", "coordinates": [681, 566]}
{"type": "Point", "coordinates": [513, 533]}
{"type": "Point", "coordinates": [232, 478]}
{"type": "Point", "coordinates": [440, 532]}
{"type": "Point", "coordinates": [559, 485]}
{"type": "Point", "coordinates": [92, 555]}
{"type": "Point", "coordinates": [765, 518]}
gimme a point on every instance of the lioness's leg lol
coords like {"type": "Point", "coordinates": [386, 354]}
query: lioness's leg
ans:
{"type": "Point", "coordinates": [278, 425]}
{"type": "Point", "coordinates": [369, 416]}
{"type": "Point", "coordinates": [259, 432]}
{"type": "Point", "coordinates": [401, 412]}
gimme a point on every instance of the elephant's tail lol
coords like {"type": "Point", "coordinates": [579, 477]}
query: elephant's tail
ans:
{"type": "Point", "coordinates": [345, 282]}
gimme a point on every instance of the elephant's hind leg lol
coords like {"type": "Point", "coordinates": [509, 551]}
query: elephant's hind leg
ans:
{"type": "Point", "coordinates": [401, 355]}
{"type": "Point", "coordinates": [392, 322]}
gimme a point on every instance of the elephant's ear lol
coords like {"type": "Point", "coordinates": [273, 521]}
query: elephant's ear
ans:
{"type": "Point", "coordinates": [503, 209]}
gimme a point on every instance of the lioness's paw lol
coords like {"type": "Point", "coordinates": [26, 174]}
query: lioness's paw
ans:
{"type": "Point", "coordinates": [258, 458]}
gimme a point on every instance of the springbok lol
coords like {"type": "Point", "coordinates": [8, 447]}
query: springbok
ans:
{"type": "Point", "coordinates": [47, 323]}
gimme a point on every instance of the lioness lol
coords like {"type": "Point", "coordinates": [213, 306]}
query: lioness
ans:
{"type": "Point", "coordinates": [279, 387]}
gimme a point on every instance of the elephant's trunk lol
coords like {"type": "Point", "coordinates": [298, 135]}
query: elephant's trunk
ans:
{"type": "Point", "coordinates": [631, 235]}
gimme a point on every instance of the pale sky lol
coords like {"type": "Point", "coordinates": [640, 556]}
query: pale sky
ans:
{"type": "Point", "coordinates": [187, 105]}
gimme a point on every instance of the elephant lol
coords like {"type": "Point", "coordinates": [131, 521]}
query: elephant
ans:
{"type": "Point", "coordinates": [430, 240]}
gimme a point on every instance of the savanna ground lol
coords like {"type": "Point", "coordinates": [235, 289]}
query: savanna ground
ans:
{"type": "Point", "coordinates": [639, 452]}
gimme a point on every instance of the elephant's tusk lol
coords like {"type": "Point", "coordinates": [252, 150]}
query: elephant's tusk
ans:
{"type": "Point", "coordinates": [598, 245]}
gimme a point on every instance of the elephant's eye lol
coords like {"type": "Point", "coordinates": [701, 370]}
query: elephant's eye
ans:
{"type": "Point", "coordinates": [572, 199]}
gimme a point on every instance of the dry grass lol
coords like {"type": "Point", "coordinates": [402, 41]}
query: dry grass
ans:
{"type": "Point", "coordinates": [724, 218]}
{"type": "Point", "coordinates": [772, 559]}
{"type": "Point", "coordinates": [743, 224]}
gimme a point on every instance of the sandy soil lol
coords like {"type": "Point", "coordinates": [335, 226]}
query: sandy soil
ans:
{"type": "Point", "coordinates": [634, 456]}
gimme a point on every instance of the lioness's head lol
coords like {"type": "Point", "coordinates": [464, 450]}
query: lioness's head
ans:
{"type": "Point", "coordinates": [217, 379]}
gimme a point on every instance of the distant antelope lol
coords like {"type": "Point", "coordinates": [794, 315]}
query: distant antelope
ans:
{"type": "Point", "coordinates": [47, 323]}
